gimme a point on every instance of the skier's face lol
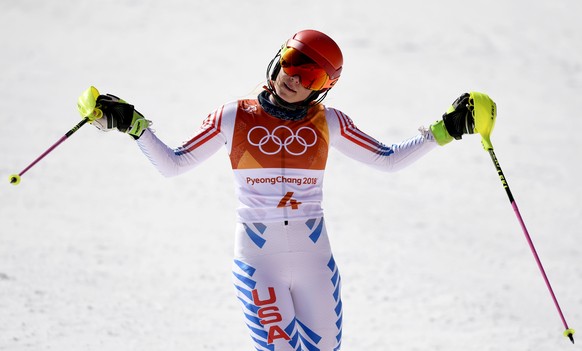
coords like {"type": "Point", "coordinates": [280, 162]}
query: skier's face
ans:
{"type": "Point", "coordinates": [289, 88]}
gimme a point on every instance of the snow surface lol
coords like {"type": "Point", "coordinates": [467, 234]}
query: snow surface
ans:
{"type": "Point", "coordinates": [100, 252]}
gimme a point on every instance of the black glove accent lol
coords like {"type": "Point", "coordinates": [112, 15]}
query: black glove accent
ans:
{"type": "Point", "coordinates": [119, 114]}
{"type": "Point", "coordinates": [460, 121]}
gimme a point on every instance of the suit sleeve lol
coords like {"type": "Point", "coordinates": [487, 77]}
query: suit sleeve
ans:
{"type": "Point", "coordinates": [351, 141]}
{"type": "Point", "coordinates": [174, 161]}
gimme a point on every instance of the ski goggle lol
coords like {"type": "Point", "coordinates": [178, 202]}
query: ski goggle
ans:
{"type": "Point", "coordinates": [312, 75]}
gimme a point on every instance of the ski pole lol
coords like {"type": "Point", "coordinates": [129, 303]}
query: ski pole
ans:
{"type": "Point", "coordinates": [15, 178]}
{"type": "Point", "coordinates": [86, 104]}
{"type": "Point", "coordinates": [568, 332]}
{"type": "Point", "coordinates": [485, 114]}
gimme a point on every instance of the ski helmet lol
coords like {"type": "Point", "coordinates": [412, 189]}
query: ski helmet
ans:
{"type": "Point", "coordinates": [312, 55]}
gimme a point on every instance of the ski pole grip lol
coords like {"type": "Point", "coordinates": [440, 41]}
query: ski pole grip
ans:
{"type": "Point", "coordinates": [484, 112]}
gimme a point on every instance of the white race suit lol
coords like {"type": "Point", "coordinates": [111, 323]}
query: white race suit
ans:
{"type": "Point", "coordinates": [284, 273]}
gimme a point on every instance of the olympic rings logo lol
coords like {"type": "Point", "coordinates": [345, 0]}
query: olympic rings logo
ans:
{"type": "Point", "coordinates": [282, 137]}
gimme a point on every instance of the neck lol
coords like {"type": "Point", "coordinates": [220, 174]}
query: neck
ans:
{"type": "Point", "coordinates": [279, 108]}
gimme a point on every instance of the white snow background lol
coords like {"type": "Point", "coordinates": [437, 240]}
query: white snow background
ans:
{"type": "Point", "coordinates": [100, 252]}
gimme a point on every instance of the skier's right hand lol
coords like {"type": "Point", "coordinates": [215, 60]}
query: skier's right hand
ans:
{"type": "Point", "coordinates": [118, 114]}
{"type": "Point", "coordinates": [108, 112]}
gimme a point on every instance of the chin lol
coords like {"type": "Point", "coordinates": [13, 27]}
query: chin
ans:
{"type": "Point", "coordinates": [285, 95]}
{"type": "Point", "coordinates": [296, 97]}
{"type": "Point", "coordinates": [289, 100]}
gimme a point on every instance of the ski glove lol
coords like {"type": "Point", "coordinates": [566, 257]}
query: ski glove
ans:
{"type": "Point", "coordinates": [470, 113]}
{"type": "Point", "coordinates": [458, 120]}
{"type": "Point", "coordinates": [118, 114]}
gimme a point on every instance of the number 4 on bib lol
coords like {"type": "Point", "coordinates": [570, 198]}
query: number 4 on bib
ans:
{"type": "Point", "coordinates": [288, 201]}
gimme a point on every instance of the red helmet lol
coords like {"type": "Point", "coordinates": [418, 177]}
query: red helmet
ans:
{"type": "Point", "coordinates": [321, 49]}
{"type": "Point", "coordinates": [313, 47]}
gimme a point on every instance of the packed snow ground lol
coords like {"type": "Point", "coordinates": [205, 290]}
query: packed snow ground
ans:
{"type": "Point", "coordinates": [100, 252]}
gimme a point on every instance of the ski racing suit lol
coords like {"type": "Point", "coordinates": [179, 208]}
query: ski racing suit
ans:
{"type": "Point", "coordinates": [284, 273]}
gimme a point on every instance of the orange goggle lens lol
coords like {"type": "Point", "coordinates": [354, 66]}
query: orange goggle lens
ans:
{"type": "Point", "coordinates": [311, 75]}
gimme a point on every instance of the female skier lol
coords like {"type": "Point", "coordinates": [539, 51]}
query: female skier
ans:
{"type": "Point", "coordinates": [284, 272]}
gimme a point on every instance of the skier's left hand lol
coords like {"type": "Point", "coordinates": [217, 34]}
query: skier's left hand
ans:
{"type": "Point", "coordinates": [459, 118]}
{"type": "Point", "coordinates": [469, 113]}
{"type": "Point", "coordinates": [457, 121]}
